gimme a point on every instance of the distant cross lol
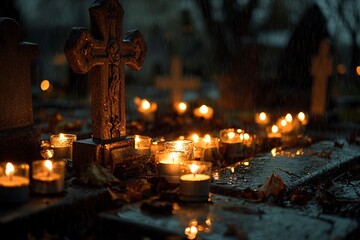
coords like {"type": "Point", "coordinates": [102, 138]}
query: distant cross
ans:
{"type": "Point", "coordinates": [321, 69]}
{"type": "Point", "coordinates": [106, 53]}
{"type": "Point", "coordinates": [175, 83]}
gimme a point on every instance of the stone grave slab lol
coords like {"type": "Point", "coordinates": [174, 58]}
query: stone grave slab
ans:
{"type": "Point", "coordinates": [295, 166]}
{"type": "Point", "coordinates": [224, 218]}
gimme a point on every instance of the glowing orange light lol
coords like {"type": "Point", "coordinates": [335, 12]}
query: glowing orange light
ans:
{"type": "Point", "coordinates": [145, 104]}
{"type": "Point", "coordinates": [48, 165]}
{"type": "Point", "coordinates": [45, 85]}
{"type": "Point", "coordinates": [194, 168]}
{"type": "Point", "coordinates": [358, 70]}
{"type": "Point", "coordinates": [231, 135]}
{"type": "Point", "coordinates": [207, 138]}
{"type": "Point", "coordinates": [182, 106]}
{"type": "Point", "coordinates": [274, 129]}
{"type": "Point", "coordinates": [195, 137]}
{"type": "Point", "coordinates": [288, 117]}
{"type": "Point", "coordinates": [283, 122]}
{"type": "Point", "coordinates": [262, 116]}
{"type": "Point", "coordinates": [204, 109]}
{"type": "Point", "coordinates": [9, 169]}
{"type": "Point", "coordinates": [246, 136]}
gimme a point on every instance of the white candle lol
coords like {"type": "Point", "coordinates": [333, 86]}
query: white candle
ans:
{"type": "Point", "coordinates": [14, 183]}
{"type": "Point", "coordinates": [62, 144]}
{"type": "Point", "coordinates": [48, 176]}
{"type": "Point", "coordinates": [232, 142]}
{"type": "Point", "coordinates": [168, 164]}
{"type": "Point", "coordinates": [195, 181]}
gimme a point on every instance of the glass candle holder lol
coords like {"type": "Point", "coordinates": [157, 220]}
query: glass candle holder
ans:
{"type": "Point", "coordinates": [156, 146]}
{"type": "Point", "coordinates": [142, 144]}
{"type": "Point", "coordinates": [195, 181]}
{"type": "Point", "coordinates": [167, 164]}
{"type": "Point", "coordinates": [181, 145]}
{"type": "Point", "coordinates": [231, 140]}
{"type": "Point", "coordinates": [62, 144]}
{"type": "Point", "coordinates": [48, 176]}
{"type": "Point", "coordinates": [14, 182]}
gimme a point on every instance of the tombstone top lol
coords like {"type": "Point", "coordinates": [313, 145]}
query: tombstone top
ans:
{"type": "Point", "coordinates": [15, 75]}
{"type": "Point", "coordinates": [105, 52]}
{"type": "Point", "coordinates": [175, 82]}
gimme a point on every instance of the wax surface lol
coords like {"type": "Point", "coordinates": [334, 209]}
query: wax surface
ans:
{"type": "Point", "coordinates": [46, 178]}
{"type": "Point", "coordinates": [194, 177]}
{"type": "Point", "coordinates": [16, 181]}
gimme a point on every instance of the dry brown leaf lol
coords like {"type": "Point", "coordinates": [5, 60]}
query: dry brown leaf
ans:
{"type": "Point", "coordinates": [274, 186]}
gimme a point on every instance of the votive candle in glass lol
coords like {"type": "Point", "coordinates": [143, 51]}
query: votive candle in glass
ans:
{"type": "Point", "coordinates": [181, 145]}
{"type": "Point", "coordinates": [167, 164]}
{"type": "Point", "coordinates": [195, 181]}
{"type": "Point", "coordinates": [14, 182]}
{"type": "Point", "coordinates": [142, 144]}
{"type": "Point", "coordinates": [62, 144]}
{"type": "Point", "coordinates": [48, 176]}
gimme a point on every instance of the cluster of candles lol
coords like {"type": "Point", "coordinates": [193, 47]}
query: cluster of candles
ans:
{"type": "Point", "coordinates": [284, 125]}
{"type": "Point", "coordinates": [47, 176]}
{"type": "Point", "coordinates": [147, 109]}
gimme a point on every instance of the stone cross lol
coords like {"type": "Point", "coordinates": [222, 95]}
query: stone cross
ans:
{"type": "Point", "coordinates": [321, 69]}
{"type": "Point", "coordinates": [104, 51]}
{"type": "Point", "coordinates": [175, 82]}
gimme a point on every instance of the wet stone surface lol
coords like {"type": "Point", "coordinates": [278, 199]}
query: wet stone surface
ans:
{"type": "Point", "coordinates": [224, 218]}
{"type": "Point", "coordinates": [295, 166]}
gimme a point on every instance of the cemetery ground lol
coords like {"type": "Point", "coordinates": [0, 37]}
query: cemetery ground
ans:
{"type": "Point", "coordinates": [316, 198]}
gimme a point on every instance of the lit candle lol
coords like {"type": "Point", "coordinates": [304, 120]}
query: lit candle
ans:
{"type": "Point", "coordinates": [142, 144]}
{"type": "Point", "coordinates": [231, 141]}
{"type": "Point", "coordinates": [195, 181]}
{"type": "Point", "coordinates": [181, 145]}
{"type": "Point", "coordinates": [14, 182]}
{"type": "Point", "coordinates": [285, 124]}
{"type": "Point", "coordinates": [168, 164]}
{"type": "Point", "coordinates": [180, 107]}
{"type": "Point", "coordinates": [262, 118]}
{"type": "Point", "coordinates": [62, 144]}
{"type": "Point", "coordinates": [302, 118]}
{"type": "Point", "coordinates": [211, 147]}
{"type": "Point", "coordinates": [146, 109]}
{"type": "Point", "coordinates": [274, 132]}
{"type": "Point", "coordinates": [204, 112]}
{"type": "Point", "coordinates": [48, 176]}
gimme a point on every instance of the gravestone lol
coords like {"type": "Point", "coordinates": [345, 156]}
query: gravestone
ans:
{"type": "Point", "coordinates": [175, 83]}
{"type": "Point", "coordinates": [16, 116]}
{"type": "Point", "coordinates": [104, 53]}
{"type": "Point", "coordinates": [321, 69]}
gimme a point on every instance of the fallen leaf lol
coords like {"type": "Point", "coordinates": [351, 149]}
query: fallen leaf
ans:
{"type": "Point", "coordinates": [274, 186]}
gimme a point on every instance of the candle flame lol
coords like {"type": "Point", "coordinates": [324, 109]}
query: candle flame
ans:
{"type": "Point", "coordinates": [204, 109]}
{"type": "Point", "coordinates": [182, 106]}
{"type": "Point", "coordinates": [283, 122]}
{"type": "Point", "coordinates": [262, 116]}
{"type": "Point", "coordinates": [145, 104]}
{"type": "Point", "coordinates": [246, 136]}
{"type": "Point", "coordinates": [273, 152]}
{"type": "Point", "coordinates": [239, 130]}
{"type": "Point", "coordinates": [274, 129]}
{"type": "Point", "coordinates": [301, 116]}
{"type": "Point", "coordinates": [137, 139]}
{"type": "Point", "coordinates": [288, 117]}
{"type": "Point", "coordinates": [231, 135]}
{"type": "Point", "coordinates": [10, 169]}
{"type": "Point", "coordinates": [48, 165]}
{"type": "Point", "coordinates": [62, 137]}
{"type": "Point", "coordinates": [207, 138]}
{"type": "Point", "coordinates": [195, 137]}
{"type": "Point", "coordinates": [246, 163]}
{"type": "Point", "coordinates": [194, 168]}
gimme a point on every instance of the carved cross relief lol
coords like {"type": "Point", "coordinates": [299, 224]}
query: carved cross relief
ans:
{"type": "Point", "coordinates": [105, 52]}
